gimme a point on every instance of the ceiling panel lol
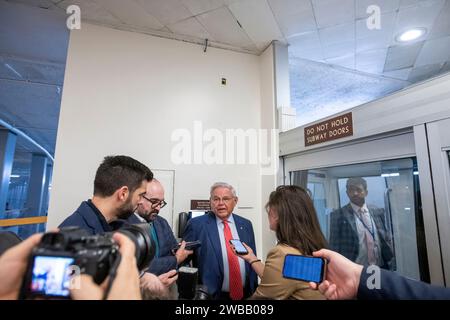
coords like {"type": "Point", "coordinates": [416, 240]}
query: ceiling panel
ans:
{"type": "Point", "coordinates": [377, 38]}
{"type": "Point", "coordinates": [91, 11]}
{"type": "Point", "coordinates": [224, 28]}
{"type": "Point", "coordinates": [337, 34]}
{"type": "Point", "coordinates": [345, 61]}
{"type": "Point", "coordinates": [329, 13]}
{"type": "Point", "coordinates": [424, 72]}
{"type": "Point", "coordinates": [190, 27]}
{"type": "Point", "coordinates": [446, 67]}
{"type": "Point", "coordinates": [421, 15]}
{"type": "Point", "coordinates": [131, 13]}
{"type": "Point", "coordinates": [339, 49]}
{"type": "Point", "coordinates": [200, 6]}
{"type": "Point", "coordinates": [294, 17]}
{"type": "Point", "coordinates": [434, 52]}
{"type": "Point", "coordinates": [43, 4]}
{"type": "Point", "coordinates": [257, 19]}
{"type": "Point", "coordinates": [402, 74]}
{"type": "Point", "coordinates": [371, 61]}
{"type": "Point", "coordinates": [306, 46]}
{"type": "Point", "coordinates": [441, 27]}
{"type": "Point", "coordinates": [49, 44]}
{"type": "Point", "coordinates": [386, 6]}
{"type": "Point", "coordinates": [401, 57]}
{"type": "Point", "coordinates": [166, 11]}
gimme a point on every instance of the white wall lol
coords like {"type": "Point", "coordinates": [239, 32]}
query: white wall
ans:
{"type": "Point", "coordinates": [125, 93]}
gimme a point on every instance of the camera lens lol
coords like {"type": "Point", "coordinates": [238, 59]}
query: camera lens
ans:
{"type": "Point", "coordinates": [145, 246]}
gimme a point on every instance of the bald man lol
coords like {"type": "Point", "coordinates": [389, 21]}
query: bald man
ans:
{"type": "Point", "coordinates": [147, 211]}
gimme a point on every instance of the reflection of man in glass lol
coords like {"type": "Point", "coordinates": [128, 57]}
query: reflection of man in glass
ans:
{"type": "Point", "coordinates": [358, 231]}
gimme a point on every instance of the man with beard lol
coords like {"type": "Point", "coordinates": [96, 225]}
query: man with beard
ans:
{"type": "Point", "coordinates": [120, 183]}
{"type": "Point", "coordinates": [147, 211]}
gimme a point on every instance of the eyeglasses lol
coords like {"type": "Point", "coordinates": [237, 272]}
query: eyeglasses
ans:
{"type": "Point", "coordinates": [224, 199]}
{"type": "Point", "coordinates": [155, 202]}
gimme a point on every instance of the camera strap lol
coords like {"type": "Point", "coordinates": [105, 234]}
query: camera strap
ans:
{"type": "Point", "coordinates": [112, 275]}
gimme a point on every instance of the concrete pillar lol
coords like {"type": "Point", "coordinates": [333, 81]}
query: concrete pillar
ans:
{"type": "Point", "coordinates": [35, 194]}
{"type": "Point", "coordinates": [286, 114]}
{"type": "Point", "coordinates": [36, 186]}
{"type": "Point", "coordinates": [45, 199]}
{"type": "Point", "coordinates": [7, 148]}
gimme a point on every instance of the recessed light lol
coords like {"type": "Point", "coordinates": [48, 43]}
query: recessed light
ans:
{"type": "Point", "coordinates": [412, 34]}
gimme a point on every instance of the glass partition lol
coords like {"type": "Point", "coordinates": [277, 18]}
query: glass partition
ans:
{"type": "Point", "coordinates": [371, 213]}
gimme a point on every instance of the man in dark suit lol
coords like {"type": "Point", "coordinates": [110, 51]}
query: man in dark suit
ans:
{"type": "Point", "coordinates": [147, 211]}
{"type": "Point", "coordinates": [119, 185]}
{"type": "Point", "coordinates": [348, 280]}
{"type": "Point", "coordinates": [358, 231]}
{"type": "Point", "coordinates": [225, 275]}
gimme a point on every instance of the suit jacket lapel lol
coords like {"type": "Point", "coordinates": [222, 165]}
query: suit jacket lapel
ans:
{"type": "Point", "coordinates": [213, 235]}
{"type": "Point", "coordinates": [350, 216]}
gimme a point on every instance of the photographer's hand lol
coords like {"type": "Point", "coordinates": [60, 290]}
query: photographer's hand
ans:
{"type": "Point", "coordinates": [342, 276]}
{"type": "Point", "coordinates": [13, 264]}
{"type": "Point", "coordinates": [126, 283]}
{"type": "Point", "coordinates": [182, 253]}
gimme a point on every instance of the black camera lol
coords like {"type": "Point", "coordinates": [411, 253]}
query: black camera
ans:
{"type": "Point", "coordinates": [73, 251]}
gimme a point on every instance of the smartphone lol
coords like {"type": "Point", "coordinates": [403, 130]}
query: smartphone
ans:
{"type": "Point", "coordinates": [48, 276]}
{"type": "Point", "coordinates": [189, 245]}
{"type": "Point", "coordinates": [238, 246]}
{"type": "Point", "coordinates": [304, 268]}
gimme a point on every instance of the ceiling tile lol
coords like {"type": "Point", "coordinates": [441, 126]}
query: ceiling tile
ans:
{"type": "Point", "coordinates": [441, 27]}
{"type": "Point", "coordinates": [130, 13]}
{"type": "Point", "coordinates": [258, 21]}
{"type": "Point", "coordinates": [223, 27]}
{"type": "Point", "coordinates": [401, 57]}
{"type": "Point", "coordinates": [333, 12]}
{"type": "Point", "coordinates": [367, 39]}
{"type": "Point", "coordinates": [337, 34]}
{"type": "Point", "coordinates": [371, 61]}
{"type": "Point", "coordinates": [200, 6]}
{"type": "Point", "coordinates": [91, 11]}
{"type": "Point", "coordinates": [422, 15]}
{"type": "Point", "coordinates": [166, 11]}
{"type": "Point", "coordinates": [402, 74]}
{"type": "Point", "coordinates": [339, 50]}
{"type": "Point", "coordinates": [445, 68]}
{"type": "Point", "coordinates": [43, 4]}
{"type": "Point", "coordinates": [294, 17]}
{"type": "Point", "coordinates": [424, 72]}
{"type": "Point", "coordinates": [385, 6]}
{"type": "Point", "coordinates": [434, 52]}
{"type": "Point", "coordinates": [306, 46]}
{"type": "Point", "coordinates": [345, 61]}
{"type": "Point", "coordinates": [190, 27]}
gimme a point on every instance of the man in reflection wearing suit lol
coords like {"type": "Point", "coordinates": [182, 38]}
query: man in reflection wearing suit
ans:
{"type": "Point", "coordinates": [358, 231]}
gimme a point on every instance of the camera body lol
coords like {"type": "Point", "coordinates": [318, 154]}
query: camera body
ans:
{"type": "Point", "coordinates": [74, 250]}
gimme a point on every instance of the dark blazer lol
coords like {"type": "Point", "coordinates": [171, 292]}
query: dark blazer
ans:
{"type": "Point", "coordinates": [166, 240]}
{"type": "Point", "coordinates": [344, 234]}
{"type": "Point", "coordinates": [395, 287]}
{"type": "Point", "coordinates": [209, 255]}
{"type": "Point", "coordinates": [88, 219]}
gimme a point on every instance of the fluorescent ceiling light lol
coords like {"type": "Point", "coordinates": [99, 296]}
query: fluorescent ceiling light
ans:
{"type": "Point", "coordinates": [15, 176]}
{"type": "Point", "coordinates": [387, 175]}
{"type": "Point", "coordinates": [411, 35]}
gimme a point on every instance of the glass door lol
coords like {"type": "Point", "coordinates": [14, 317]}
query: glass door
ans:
{"type": "Point", "coordinates": [388, 193]}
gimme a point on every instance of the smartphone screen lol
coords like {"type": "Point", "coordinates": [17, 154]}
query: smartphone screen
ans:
{"type": "Point", "coordinates": [309, 269]}
{"type": "Point", "coordinates": [240, 249]}
{"type": "Point", "coordinates": [50, 276]}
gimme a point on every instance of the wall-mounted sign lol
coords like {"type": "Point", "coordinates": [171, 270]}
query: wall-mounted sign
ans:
{"type": "Point", "coordinates": [331, 129]}
{"type": "Point", "coordinates": [202, 205]}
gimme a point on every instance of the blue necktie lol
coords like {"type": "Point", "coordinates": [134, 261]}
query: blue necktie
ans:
{"type": "Point", "coordinates": [155, 238]}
